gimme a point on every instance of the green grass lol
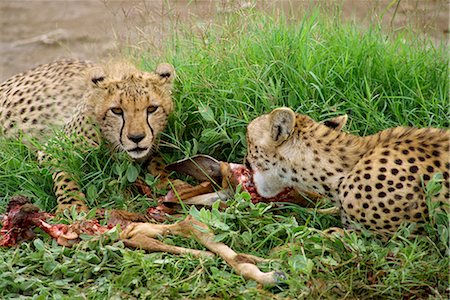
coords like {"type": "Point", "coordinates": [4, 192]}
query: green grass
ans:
{"type": "Point", "coordinates": [228, 75]}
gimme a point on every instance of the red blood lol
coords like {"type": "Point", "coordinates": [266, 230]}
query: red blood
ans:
{"type": "Point", "coordinates": [19, 221]}
{"type": "Point", "coordinates": [22, 217]}
{"type": "Point", "coordinates": [242, 175]}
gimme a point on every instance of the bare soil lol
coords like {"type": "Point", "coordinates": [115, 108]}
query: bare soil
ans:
{"type": "Point", "coordinates": [35, 32]}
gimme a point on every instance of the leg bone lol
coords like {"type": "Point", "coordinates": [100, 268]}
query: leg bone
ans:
{"type": "Point", "coordinates": [243, 264]}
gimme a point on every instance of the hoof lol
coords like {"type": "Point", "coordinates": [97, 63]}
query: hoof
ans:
{"type": "Point", "coordinates": [281, 285]}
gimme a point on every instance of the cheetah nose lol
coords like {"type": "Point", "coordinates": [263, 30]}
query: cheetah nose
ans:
{"type": "Point", "coordinates": [136, 137]}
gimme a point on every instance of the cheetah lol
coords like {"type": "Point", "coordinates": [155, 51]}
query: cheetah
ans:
{"type": "Point", "coordinates": [115, 104]}
{"type": "Point", "coordinates": [376, 181]}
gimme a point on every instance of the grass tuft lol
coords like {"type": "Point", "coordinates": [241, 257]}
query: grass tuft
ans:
{"type": "Point", "coordinates": [229, 74]}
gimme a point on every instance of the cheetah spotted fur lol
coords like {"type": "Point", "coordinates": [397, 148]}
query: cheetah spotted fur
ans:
{"type": "Point", "coordinates": [113, 103]}
{"type": "Point", "coordinates": [376, 181]}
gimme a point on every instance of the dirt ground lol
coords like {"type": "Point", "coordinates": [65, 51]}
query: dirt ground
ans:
{"type": "Point", "coordinates": [35, 32]}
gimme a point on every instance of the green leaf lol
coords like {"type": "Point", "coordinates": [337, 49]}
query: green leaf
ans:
{"type": "Point", "coordinates": [292, 99]}
{"type": "Point", "coordinates": [114, 233]}
{"type": "Point", "coordinates": [220, 237]}
{"type": "Point", "coordinates": [301, 264]}
{"type": "Point", "coordinates": [195, 213]}
{"type": "Point", "coordinates": [150, 179]}
{"type": "Point", "coordinates": [132, 173]}
{"type": "Point", "coordinates": [39, 244]}
{"type": "Point", "coordinates": [216, 205]}
{"type": "Point", "coordinates": [246, 196]}
{"type": "Point", "coordinates": [247, 237]}
{"type": "Point", "coordinates": [206, 113]}
{"type": "Point", "coordinates": [92, 193]}
{"type": "Point", "coordinates": [119, 168]}
{"type": "Point", "coordinates": [91, 214]}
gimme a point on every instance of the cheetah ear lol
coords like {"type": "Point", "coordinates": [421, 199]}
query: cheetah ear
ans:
{"type": "Point", "coordinates": [282, 122]}
{"type": "Point", "coordinates": [97, 78]}
{"type": "Point", "coordinates": [166, 73]}
{"type": "Point", "coordinates": [337, 122]}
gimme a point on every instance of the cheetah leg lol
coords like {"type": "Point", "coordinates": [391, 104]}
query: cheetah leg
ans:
{"type": "Point", "coordinates": [67, 193]}
{"type": "Point", "coordinates": [66, 190]}
{"type": "Point", "coordinates": [243, 264]}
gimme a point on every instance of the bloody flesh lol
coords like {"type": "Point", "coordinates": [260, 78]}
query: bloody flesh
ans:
{"type": "Point", "coordinates": [233, 175]}
{"type": "Point", "coordinates": [242, 175]}
{"type": "Point", "coordinates": [22, 217]}
{"type": "Point", "coordinates": [19, 221]}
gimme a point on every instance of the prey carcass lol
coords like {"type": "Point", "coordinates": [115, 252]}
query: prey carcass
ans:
{"type": "Point", "coordinates": [22, 217]}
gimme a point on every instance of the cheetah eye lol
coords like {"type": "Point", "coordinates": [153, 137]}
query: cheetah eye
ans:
{"type": "Point", "coordinates": [117, 111]}
{"type": "Point", "coordinates": [151, 109]}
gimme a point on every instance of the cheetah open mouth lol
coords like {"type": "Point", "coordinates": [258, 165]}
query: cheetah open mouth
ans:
{"type": "Point", "coordinates": [138, 150]}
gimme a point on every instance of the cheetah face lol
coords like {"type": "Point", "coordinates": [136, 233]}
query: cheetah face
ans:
{"type": "Point", "coordinates": [267, 140]}
{"type": "Point", "coordinates": [134, 109]}
{"type": "Point", "coordinates": [276, 152]}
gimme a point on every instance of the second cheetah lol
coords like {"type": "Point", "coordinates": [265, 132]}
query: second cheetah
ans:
{"type": "Point", "coordinates": [376, 181]}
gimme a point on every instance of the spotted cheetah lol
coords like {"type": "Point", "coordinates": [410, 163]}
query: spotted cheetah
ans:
{"type": "Point", "coordinates": [113, 103]}
{"type": "Point", "coordinates": [376, 181]}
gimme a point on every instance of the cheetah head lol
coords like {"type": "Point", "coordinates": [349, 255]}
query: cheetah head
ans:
{"type": "Point", "coordinates": [131, 107]}
{"type": "Point", "coordinates": [274, 148]}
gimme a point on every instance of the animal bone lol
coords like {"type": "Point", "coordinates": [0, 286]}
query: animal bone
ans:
{"type": "Point", "coordinates": [21, 217]}
{"type": "Point", "coordinates": [141, 235]}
